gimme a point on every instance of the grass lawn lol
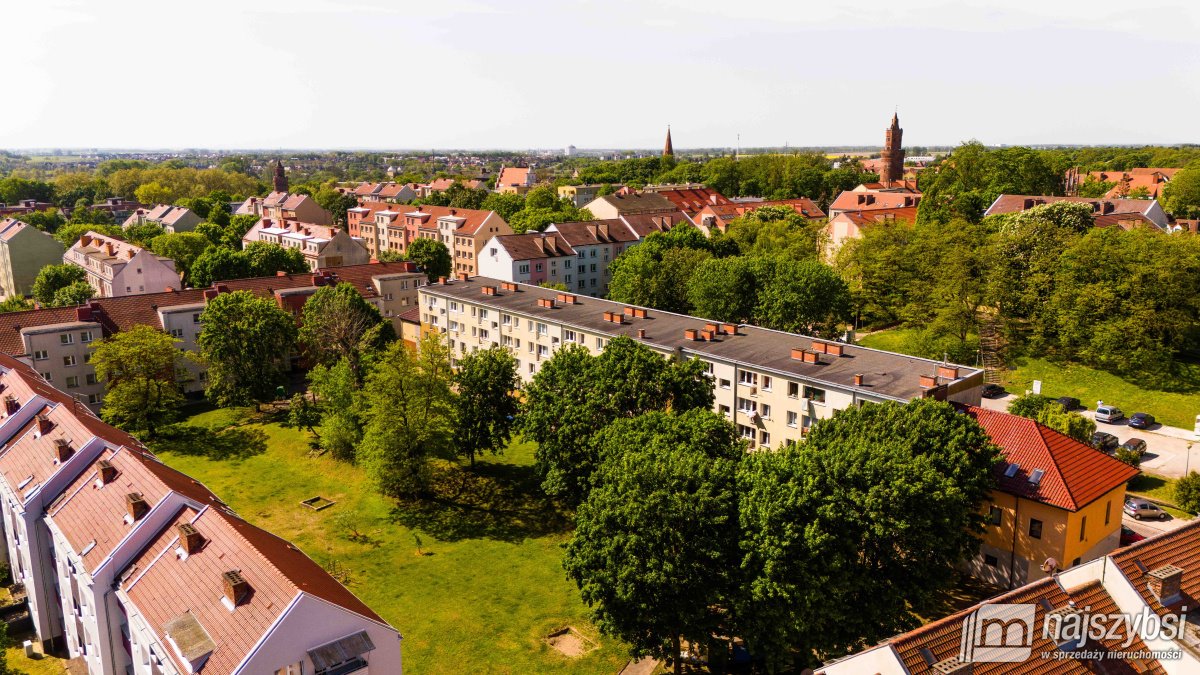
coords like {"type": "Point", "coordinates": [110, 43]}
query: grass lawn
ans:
{"type": "Point", "coordinates": [1159, 489]}
{"type": "Point", "coordinates": [42, 665]}
{"type": "Point", "coordinates": [1173, 408]}
{"type": "Point", "coordinates": [486, 585]}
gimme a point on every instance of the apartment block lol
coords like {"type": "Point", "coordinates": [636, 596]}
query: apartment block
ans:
{"type": "Point", "coordinates": [387, 227]}
{"type": "Point", "coordinates": [116, 267]}
{"type": "Point", "coordinates": [172, 219]}
{"type": "Point", "coordinates": [323, 246]}
{"type": "Point", "coordinates": [132, 567]}
{"type": "Point", "coordinates": [772, 385]}
{"type": "Point", "coordinates": [56, 341]}
{"type": "Point", "coordinates": [24, 251]}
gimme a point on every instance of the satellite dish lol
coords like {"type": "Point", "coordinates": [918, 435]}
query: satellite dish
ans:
{"type": "Point", "coordinates": [1050, 566]}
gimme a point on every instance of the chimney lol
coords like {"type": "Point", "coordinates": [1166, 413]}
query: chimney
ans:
{"type": "Point", "coordinates": [1166, 584]}
{"type": "Point", "coordinates": [812, 357]}
{"type": "Point", "coordinates": [948, 372]}
{"type": "Point", "coordinates": [712, 327]}
{"type": "Point", "coordinates": [209, 294]}
{"type": "Point", "coordinates": [190, 539]}
{"type": "Point", "coordinates": [489, 290]}
{"type": "Point", "coordinates": [508, 285]}
{"type": "Point", "coordinates": [44, 424]}
{"type": "Point", "coordinates": [708, 335]}
{"type": "Point", "coordinates": [108, 248]}
{"type": "Point", "coordinates": [130, 253]}
{"type": "Point", "coordinates": [62, 449]}
{"type": "Point", "coordinates": [85, 241]}
{"type": "Point", "coordinates": [691, 334]}
{"type": "Point", "coordinates": [730, 329]}
{"type": "Point", "coordinates": [11, 405]}
{"type": "Point", "coordinates": [818, 346]}
{"type": "Point", "coordinates": [641, 333]}
{"type": "Point", "coordinates": [928, 381]}
{"type": "Point", "coordinates": [108, 472]}
{"type": "Point", "coordinates": [236, 587]}
{"type": "Point", "coordinates": [566, 298]}
{"type": "Point", "coordinates": [136, 504]}
{"type": "Point", "coordinates": [858, 379]}
{"type": "Point", "coordinates": [1027, 204]}
{"type": "Point", "coordinates": [281, 273]}
{"type": "Point", "coordinates": [442, 281]}
{"type": "Point", "coordinates": [548, 303]}
{"type": "Point", "coordinates": [835, 349]}
{"type": "Point", "coordinates": [614, 317]}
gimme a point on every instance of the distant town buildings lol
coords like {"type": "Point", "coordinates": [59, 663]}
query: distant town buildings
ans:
{"type": "Point", "coordinates": [172, 219]}
{"type": "Point", "coordinates": [636, 203]}
{"type": "Point", "coordinates": [323, 246]}
{"type": "Point", "coordinates": [281, 206]}
{"type": "Point", "coordinates": [1149, 181]}
{"type": "Point", "coordinates": [24, 251]}
{"type": "Point", "coordinates": [580, 195]}
{"type": "Point", "coordinates": [115, 267]}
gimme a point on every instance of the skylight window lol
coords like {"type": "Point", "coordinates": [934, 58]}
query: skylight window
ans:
{"type": "Point", "coordinates": [1012, 470]}
{"type": "Point", "coordinates": [1036, 476]}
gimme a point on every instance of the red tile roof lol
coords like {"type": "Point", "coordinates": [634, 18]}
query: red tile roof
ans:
{"type": "Point", "coordinates": [1180, 548]}
{"type": "Point", "coordinates": [855, 200]}
{"type": "Point", "coordinates": [643, 224]}
{"type": "Point", "coordinates": [692, 200]}
{"type": "Point", "coordinates": [906, 214]}
{"type": "Point", "coordinates": [1014, 203]}
{"type": "Point", "coordinates": [1075, 474]}
{"type": "Point", "coordinates": [513, 175]}
{"type": "Point", "coordinates": [29, 458]}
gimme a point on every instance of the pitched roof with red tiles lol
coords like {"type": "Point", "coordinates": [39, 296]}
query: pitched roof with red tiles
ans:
{"type": "Point", "coordinates": [534, 245]}
{"type": "Point", "coordinates": [861, 200]}
{"type": "Point", "coordinates": [513, 175]}
{"type": "Point", "coordinates": [1150, 178]}
{"type": "Point", "coordinates": [473, 219]}
{"type": "Point", "coordinates": [905, 214]}
{"type": "Point", "coordinates": [944, 638]}
{"type": "Point", "coordinates": [1014, 203]}
{"type": "Point", "coordinates": [1074, 474]}
{"type": "Point", "coordinates": [122, 313]}
{"type": "Point", "coordinates": [30, 457]}
{"type": "Point", "coordinates": [1180, 548]}
{"type": "Point", "coordinates": [691, 200]}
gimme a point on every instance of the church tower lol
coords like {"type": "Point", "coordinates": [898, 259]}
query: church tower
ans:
{"type": "Point", "coordinates": [893, 153]}
{"type": "Point", "coordinates": [280, 181]}
{"type": "Point", "coordinates": [668, 151]}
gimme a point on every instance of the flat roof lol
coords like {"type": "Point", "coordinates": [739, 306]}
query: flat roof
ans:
{"type": "Point", "coordinates": [885, 374]}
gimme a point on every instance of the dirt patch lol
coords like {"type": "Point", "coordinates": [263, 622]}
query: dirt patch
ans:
{"type": "Point", "coordinates": [570, 642]}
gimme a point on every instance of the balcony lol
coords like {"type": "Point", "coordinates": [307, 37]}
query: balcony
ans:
{"type": "Point", "coordinates": [353, 667]}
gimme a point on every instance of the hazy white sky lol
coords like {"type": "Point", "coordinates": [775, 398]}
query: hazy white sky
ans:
{"type": "Point", "coordinates": [604, 73]}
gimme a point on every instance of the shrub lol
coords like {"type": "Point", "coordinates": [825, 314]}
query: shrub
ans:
{"type": "Point", "coordinates": [1187, 492]}
{"type": "Point", "coordinates": [1130, 457]}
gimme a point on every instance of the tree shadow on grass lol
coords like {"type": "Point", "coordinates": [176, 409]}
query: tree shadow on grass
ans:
{"type": "Point", "coordinates": [493, 501]}
{"type": "Point", "coordinates": [231, 443]}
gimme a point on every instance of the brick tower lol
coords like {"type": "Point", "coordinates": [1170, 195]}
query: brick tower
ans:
{"type": "Point", "coordinates": [893, 153]}
{"type": "Point", "coordinates": [280, 181]}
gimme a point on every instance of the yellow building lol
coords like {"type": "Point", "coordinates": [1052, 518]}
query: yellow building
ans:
{"type": "Point", "coordinates": [1059, 503]}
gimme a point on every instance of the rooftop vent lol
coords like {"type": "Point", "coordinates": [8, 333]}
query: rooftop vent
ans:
{"type": "Point", "coordinates": [137, 505]}
{"type": "Point", "coordinates": [928, 381]}
{"type": "Point", "coordinates": [508, 285]}
{"type": "Point", "coordinates": [190, 539]}
{"type": "Point", "coordinates": [236, 587]}
{"type": "Point", "coordinates": [566, 298]}
{"type": "Point", "coordinates": [614, 317]}
{"type": "Point", "coordinates": [641, 333]}
{"type": "Point", "coordinates": [691, 334]}
{"type": "Point", "coordinates": [548, 303]}
{"type": "Point", "coordinates": [858, 379]}
{"type": "Point", "coordinates": [463, 276]}
{"type": "Point", "coordinates": [108, 472]}
{"type": "Point", "coordinates": [489, 290]}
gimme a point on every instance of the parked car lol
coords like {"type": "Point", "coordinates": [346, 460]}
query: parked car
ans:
{"type": "Point", "coordinates": [1104, 441]}
{"type": "Point", "coordinates": [1128, 536]}
{"type": "Point", "coordinates": [1109, 413]}
{"type": "Point", "coordinates": [1141, 508]}
{"type": "Point", "coordinates": [1135, 445]}
{"type": "Point", "coordinates": [993, 390]}
{"type": "Point", "coordinates": [1068, 402]}
{"type": "Point", "coordinates": [1141, 420]}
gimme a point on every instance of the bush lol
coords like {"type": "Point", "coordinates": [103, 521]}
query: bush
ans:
{"type": "Point", "coordinates": [1130, 457]}
{"type": "Point", "coordinates": [1187, 492]}
{"type": "Point", "coordinates": [1029, 405]}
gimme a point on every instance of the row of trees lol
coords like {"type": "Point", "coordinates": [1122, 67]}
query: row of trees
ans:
{"type": "Point", "coordinates": [766, 270]}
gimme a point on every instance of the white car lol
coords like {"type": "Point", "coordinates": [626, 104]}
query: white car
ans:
{"type": "Point", "coordinates": [1109, 413]}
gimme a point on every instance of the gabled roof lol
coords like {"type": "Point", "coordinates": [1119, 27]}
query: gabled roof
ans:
{"type": "Point", "coordinates": [643, 224]}
{"type": "Point", "coordinates": [638, 202]}
{"type": "Point", "coordinates": [691, 200]}
{"type": "Point", "coordinates": [596, 232]}
{"type": "Point", "coordinates": [1014, 203]}
{"type": "Point", "coordinates": [862, 200]}
{"type": "Point", "coordinates": [534, 245]}
{"type": "Point", "coordinates": [906, 214]}
{"type": "Point", "coordinates": [1074, 474]}
{"type": "Point", "coordinates": [29, 458]}
{"type": "Point", "coordinates": [513, 175]}
{"type": "Point", "coordinates": [473, 219]}
{"type": "Point", "coordinates": [1180, 548]}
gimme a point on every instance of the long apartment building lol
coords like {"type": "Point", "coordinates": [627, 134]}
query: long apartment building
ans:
{"type": "Point", "coordinates": [391, 227]}
{"type": "Point", "coordinates": [772, 385]}
{"type": "Point", "coordinates": [322, 246]}
{"type": "Point", "coordinates": [115, 267]}
{"type": "Point", "coordinates": [131, 567]}
{"type": "Point", "coordinates": [56, 341]}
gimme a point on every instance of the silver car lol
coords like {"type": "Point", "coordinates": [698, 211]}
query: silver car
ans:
{"type": "Point", "coordinates": [1140, 508]}
{"type": "Point", "coordinates": [1109, 414]}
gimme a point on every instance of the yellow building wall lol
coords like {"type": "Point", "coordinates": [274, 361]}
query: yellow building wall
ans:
{"type": "Point", "coordinates": [1095, 530]}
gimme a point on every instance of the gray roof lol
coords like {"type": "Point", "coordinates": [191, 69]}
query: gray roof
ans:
{"type": "Point", "coordinates": [885, 374]}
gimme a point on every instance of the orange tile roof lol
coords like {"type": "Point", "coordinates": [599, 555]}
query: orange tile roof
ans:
{"type": "Point", "coordinates": [692, 200]}
{"type": "Point", "coordinates": [513, 175]}
{"type": "Point", "coordinates": [853, 200]}
{"type": "Point", "coordinates": [1180, 548]}
{"type": "Point", "coordinates": [1075, 474]}
{"type": "Point", "coordinates": [906, 214]}
{"type": "Point", "coordinates": [30, 458]}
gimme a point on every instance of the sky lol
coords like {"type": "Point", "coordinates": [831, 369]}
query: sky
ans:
{"type": "Point", "coordinates": [521, 74]}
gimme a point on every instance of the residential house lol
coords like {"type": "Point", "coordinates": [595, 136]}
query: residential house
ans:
{"type": "Point", "coordinates": [514, 179]}
{"type": "Point", "coordinates": [580, 195]}
{"type": "Point", "coordinates": [596, 244]}
{"type": "Point", "coordinates": [865, 198]}
{"type": "Point", "coordinates": [115, 267]}
{"type": "Point", "coordinates": [385, 192]}
{"type": "Point", "coordinates": [172, 219]}
{"type": "Point", "coordinates": [280, 206]}
{"type": "Point", "coordinates": [771, 385]}
{"type": "Point", "coordinates": [638, 203]}
{"type": "Point", "coordinates": [1058, 504]}
{"type": "Point", "coordinates": [55, 341]}
{"type": "Point", "coordinates": [1151, 180]}
{"type": "Point", "coordinates": [323, 246]}
{"type": "Point", "coordinates": [1149, 209]}
{"type": "Point", "coordinates": [132, 567]}
{"type": "Point", "coordinates": [718, 216]}
{"type": "Point", "coordinates": [23, 206]}
{"type": "Point", "coordinates": [690, 197]}
{"type": "Point", "coordinates": [24, 251]}
{"type": "Point", "coordinates": [531, 258]}
{"type": "Point", "coordinates": [1122, 597]}
{"type": "Point", "coordinates": [850, 224]}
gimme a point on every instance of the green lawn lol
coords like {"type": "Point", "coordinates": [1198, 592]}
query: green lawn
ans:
{"type": "Point", "coordinates": [1177, 408]}
{"type": "Point", "coordinates": [1159, 489]}
{"type": "Point", "coordinates": [484, 590]}
{"type": "Point", "coordinates": [42, 665]}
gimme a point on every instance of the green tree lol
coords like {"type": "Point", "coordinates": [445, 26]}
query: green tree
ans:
{"type": "Point", "coordinates": [724, 289]}
{"type": "Point", "coordinates": [67, 235]}
{"type": "Point", "coordinates": [335, 203]}
{"type": "Point", "coordinates": [1187, 492]}
{"type": "Point", "coordinates": [143, 235]}
{"type": "Point", "coordinates": [182, 247]}
{"type": "Point", "coordinates": [336, 390]}
{"type": "Point", "coordinates": [408, 409]}
{"type": "Point", "coordinates": [655, 545]}
{"type": "Point", "coordinates": [1181, 196]}
{"type": "Point", "coordinates": [72, 294]}
{"type": "Point", "coordinates": [1030, 405]}
{"type": "Point", "coordinates": [486, 403]}
{"type": "Point", "coordinates": [431, 256]}
{"type": "Point", "coordinates": [340, 324]}
{"type": "Point", "coordinates": [138, 367]}
{"type": "Point", "coordinates": [246, 341]}
{"type": "Point", "coordinates": [776, 231]}
{"type": "Point", "coordinates": [218, 263]}
{"type": "Point", "coordinates": [52, 278]}
{"type": "Point", "coordinates": [154, 193]}
{"type": "Point", "coordinates": [656, 272]}
{"type": "Point", "coordinates": [1067, 422]}
{"type": "Point", "coordinates": [801, 296]}
{"type": "Point", "coordinates": [836, 546]}
{"type": "Point", "coordinates": [265, 259]}
{"type": "Point", "coordinates": [14, 303]}
{"type": "Point", "coordinates": [506, 205]}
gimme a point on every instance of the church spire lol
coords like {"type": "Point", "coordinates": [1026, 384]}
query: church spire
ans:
{"type": "Point", "coordinates": [280, 181]}
{"type": "Point", "coordinates": [892, 157]}
{"type": "Point", "coordinates": [668, 150]}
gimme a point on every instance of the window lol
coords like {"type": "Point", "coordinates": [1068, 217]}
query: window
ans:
{"type": "Point", "coordinates": [177, 332]}
{"type": "Point", "coordinates": [793, 420]}
{"type": "Point", "coordinates": [73, 382]}
{"type": "Point", "coordinates": [506, 319]}
{"type": "Point", "coordinates": [569, 335]}
{"type": "Point", "coordinates": [196, 318]}
{"type": "Point", "coordinates": [764, 438]}
{"type": "Point", "coordinates": [793, 390]}
{"type": "Point", "coordinates": [995, 515]}
{"type": "Point", "coordinates": [747, 378]}
{"type": "Point", "coordinates": [766, 411]}
{"type": "Point", "coordinates": [93, 399]}
{"type": "Point", "coordinates": [1035, 528]}
{"type": "Point", "coordinates": [766, 382]}
{"type": "Point", "coordinates": [593, 283]}
{"type": "Point", "coordinates": [90, 378]}
{"type": "Point", "coordinates": [815, 395]}
{"type": "Point", "coordinates": [1083, 528]}
{"type": "Point", "coordinates": [582, 284]}
{"type": "Point", "coordinates": [69, 360]}
{"type": "Point", "coordinates": [483, 314]}
{"type": "Point", "coordinates": [85, 336]}
{"type": "Point", "coordinates": [724, 410]}
{"type": "Point", "coordinates": [593, 267]}
{"type": "Point", "coordinates": [543, 351]}
{"type": "Point", "coordinates": [990, 560]}
{"type": "Point", "coordinates": [745, 431]}
{"type": "Point", "coordinates": [593, 254]}
{"type": "Point", "coordinates": [542, 329]}
{"type": "Point", "coordinates": [724, 383]}
{"type": "Point", "coordinates": [294, 669]}
{"type": "Point", "coordinates": [745, 405]}
{"type": "Point", "coordinates": [66, 338]}
{"type": "Point", "coordinates": [47, 377]}
{"type": "Point", "coordinates": [538, 267]}
{"type": "Point", "coordinates": [523, 269]}
{"type": "Point", "coordinates": [40, 355]}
